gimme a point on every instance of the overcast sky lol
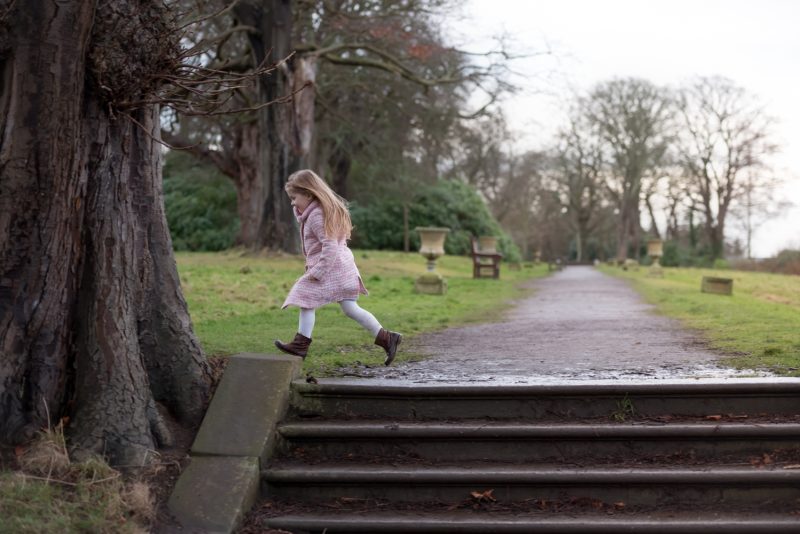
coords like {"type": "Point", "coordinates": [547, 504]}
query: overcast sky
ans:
{"type": "Point", "coordinates": [756, 43]}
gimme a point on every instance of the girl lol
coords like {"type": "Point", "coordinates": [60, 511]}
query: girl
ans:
{"type": "Point", "coordinates": [331, 272]}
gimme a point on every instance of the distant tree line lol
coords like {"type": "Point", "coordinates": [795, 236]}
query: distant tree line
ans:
{"type": "Point", "coordinates": [684, 160]}
{"type": "Point", "coordinates": [373, 96]}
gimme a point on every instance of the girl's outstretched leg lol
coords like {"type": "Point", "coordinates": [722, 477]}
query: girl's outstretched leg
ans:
{"type": "Point", "coordinates": [299, 345]}
{"type": "Point", "coordinates": [383, 338]}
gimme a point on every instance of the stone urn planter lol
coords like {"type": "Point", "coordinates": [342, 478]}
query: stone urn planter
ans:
{"type": "Point", "coordinates": [431, 247]}
{"type": "Point", "coordinates": [655, 249]}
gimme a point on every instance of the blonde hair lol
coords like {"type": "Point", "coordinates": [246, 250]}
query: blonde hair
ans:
{"type": "Point", "coordinates": [334, 208]}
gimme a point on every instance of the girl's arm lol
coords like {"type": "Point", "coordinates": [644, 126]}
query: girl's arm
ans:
{"type": "Point", "coordinates": [330, 247]}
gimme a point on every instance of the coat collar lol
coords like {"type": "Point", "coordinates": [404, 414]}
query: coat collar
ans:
{"type": "Point", "coordinates": [301, 217]}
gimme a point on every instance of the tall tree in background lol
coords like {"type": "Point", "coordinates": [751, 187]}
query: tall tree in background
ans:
{"type": "Point", "coordinates": [399, 38]}
{"type": "Point", "coordinates": [579, 175]}
{"type": "Point", "coordinates": [93, 324]}
{"type": "Point", "coordinates": [632, 116]}
{"type": "Point", "coordinates": [757, 204]}
{"type": "Point", "coordinates": [726, 140]}
{"type": "Point", "coordinates": [511, 182]}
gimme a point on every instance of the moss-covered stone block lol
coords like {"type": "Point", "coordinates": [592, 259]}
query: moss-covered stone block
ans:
{"type": "Point", "coordinates": [214, 493]}
{"type": "Point", "coordinates": [251, 399]}
{"type": "Point", "coordinates": [717, 286]}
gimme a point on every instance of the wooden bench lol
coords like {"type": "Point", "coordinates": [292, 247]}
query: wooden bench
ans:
{"type": "Point", "coordinates": [488, 260]}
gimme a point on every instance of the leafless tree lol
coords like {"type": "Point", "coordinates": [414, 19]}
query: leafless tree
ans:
{"type": "Point", "coordinates": [579, 176]}
{"type": "Point", "coordinates": [725, 140]}
{"type": "Point", "coordinates": [633, 118]}
{"type": "Point", "coordinates": [756, 205]}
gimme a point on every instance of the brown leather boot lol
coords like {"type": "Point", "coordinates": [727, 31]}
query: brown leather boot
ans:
{"type": "Point", "coordinates": [389, 341]}
{"type": "Point", "coordinates": [298, 346]}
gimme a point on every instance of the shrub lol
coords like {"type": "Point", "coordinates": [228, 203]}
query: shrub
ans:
{"type": "Point", "coordinates": [787, 261]}
{"type": "Point", "coordinates": [721, 263]}
{"type": "Point", "coordinates": [454, 205]}
{"type": "Point", "coordinates": [200, 204]}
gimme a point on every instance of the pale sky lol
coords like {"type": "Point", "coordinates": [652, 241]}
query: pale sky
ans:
{"type": "Point", "coordinates": [756, 43]}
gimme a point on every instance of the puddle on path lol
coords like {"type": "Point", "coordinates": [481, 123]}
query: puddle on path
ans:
{"type": "Point", "coordinates": [417, 374]}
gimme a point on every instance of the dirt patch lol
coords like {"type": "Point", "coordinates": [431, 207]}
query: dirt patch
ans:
{"type": "Point", "coordinates": [774, 298]}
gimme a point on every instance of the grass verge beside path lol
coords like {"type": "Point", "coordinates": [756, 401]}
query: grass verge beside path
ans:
{"type": "Point", "coordinates": [759, 326]}
{"type": "Point", "coordinates": [235, 299]}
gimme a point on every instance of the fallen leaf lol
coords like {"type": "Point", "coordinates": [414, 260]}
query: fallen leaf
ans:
{"type": "Point", "coordinates": [767, 459]}
{"type": "Point", "coordinates": [713, 417]}
{"type": "Point", "coordinates": [792, 466]}
{"type": "Point", "coordinates": [483, 496]}
{"type": "Point", "coordinates": [619, 505]}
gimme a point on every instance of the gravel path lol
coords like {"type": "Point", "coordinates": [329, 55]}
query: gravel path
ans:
{"type": "Point", "coordinates": [579, 324]}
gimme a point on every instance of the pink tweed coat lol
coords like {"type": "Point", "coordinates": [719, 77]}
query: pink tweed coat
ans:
{"type": "Point", "coordinates": [331, 272]}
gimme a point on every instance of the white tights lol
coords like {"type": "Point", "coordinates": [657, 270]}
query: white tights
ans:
{"type": "Point", "coordinates": [350, 309]}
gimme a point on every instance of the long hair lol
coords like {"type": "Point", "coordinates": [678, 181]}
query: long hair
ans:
{"type": "Point", "coordinates": [334, 208]}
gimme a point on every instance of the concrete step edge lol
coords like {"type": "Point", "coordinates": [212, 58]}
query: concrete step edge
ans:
{"type": "Point", "coordinates": [421, 522]}
{"type": "Point", "coordinates": [520, 475]}
{"type": "Point", "coordinates": [698, 387]}
{"type": "Point", "coordinates": [340, 430]}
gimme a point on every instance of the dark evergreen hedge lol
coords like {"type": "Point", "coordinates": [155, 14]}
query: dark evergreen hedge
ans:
{"type": "Point", "coordinates": [455, 205]}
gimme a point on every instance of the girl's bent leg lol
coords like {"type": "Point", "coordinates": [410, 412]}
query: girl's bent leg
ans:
{"type": "Point", "coordinates": [361, 316]}
{"type": "Point", "coordinates": [383, 338]}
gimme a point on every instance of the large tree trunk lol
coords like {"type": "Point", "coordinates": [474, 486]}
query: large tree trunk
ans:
{"type": "Point", "coordinates": [93, 324]}
{"type": "Point", "coordinates": [280, 153]}
{"type": "Point", "coordinates": [340, 163]}
{"type": "Point", "coordinates": [249, 183]}
{"type": "Point", "coordinates": [623, 232]}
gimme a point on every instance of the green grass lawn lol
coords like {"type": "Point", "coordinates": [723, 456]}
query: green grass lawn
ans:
{"type": "Point", "coordinates": [235, 303]}
{"type": "Point", "coordinates": [759, 326]}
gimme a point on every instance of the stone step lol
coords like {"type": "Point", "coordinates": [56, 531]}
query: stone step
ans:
{"type": "Point", "coordinates": [649, 486]}
{"type": "Point", "coordinates": [340, 398]}
{"type": "Point", "coordinates": [411, 522]}
{"type": "Point", "coordinates": [522, 441]}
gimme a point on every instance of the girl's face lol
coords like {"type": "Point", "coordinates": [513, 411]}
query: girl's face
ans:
{"type": "Point", "coordinates": [300, 201]}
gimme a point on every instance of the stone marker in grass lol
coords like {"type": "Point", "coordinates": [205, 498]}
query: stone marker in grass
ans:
{"type": "Point", "coordinates": [719, 286]}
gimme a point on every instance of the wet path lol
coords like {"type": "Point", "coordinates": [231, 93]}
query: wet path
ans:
{"type": "Point", "coordinates": [579, 324]}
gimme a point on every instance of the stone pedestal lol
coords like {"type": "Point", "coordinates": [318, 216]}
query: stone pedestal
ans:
{"type": "Point", "coordinates": [431, 283]}
{"type": "Point", "coordinates": [655, 249]}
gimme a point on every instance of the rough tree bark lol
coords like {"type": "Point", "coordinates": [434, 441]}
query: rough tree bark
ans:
{"type": "Point", "coordinates": [285, 129]}
{"type": "Point", "coordinates": [93, 324]}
